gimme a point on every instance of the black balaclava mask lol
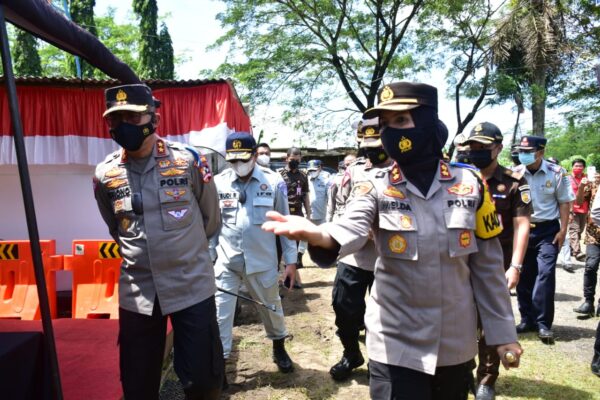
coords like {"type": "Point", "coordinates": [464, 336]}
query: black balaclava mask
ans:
{"type": "Point", "coordinates": [130, 136]}
{"type": "Point", "coordinates": [417, 150]}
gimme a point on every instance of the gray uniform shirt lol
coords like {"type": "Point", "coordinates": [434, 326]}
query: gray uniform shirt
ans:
{"type": "Point", "coordinates": [317, 195]}
{"type": "Point", "coordinates": [432, 275]}
{"type": "Point", "coordinates": [549, 188]}
{"type": "Point", "coordinates": [164, 244]}
{"type": "Point", "coordinates": [242, 244]}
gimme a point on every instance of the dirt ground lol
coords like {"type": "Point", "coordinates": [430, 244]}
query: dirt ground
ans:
{"type": "Point", "coordinates": [314, 347]}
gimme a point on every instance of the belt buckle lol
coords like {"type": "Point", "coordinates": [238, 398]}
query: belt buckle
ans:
{"type": "Point", "coordinates": [532, 225]}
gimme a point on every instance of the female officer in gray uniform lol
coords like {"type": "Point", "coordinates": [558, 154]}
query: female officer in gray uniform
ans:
{"type": "Point", "coordinates": [439, 262]}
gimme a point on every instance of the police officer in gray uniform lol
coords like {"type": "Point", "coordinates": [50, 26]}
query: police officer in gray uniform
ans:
{"type": "Point", "coordinates": [355, 271]}
{"type": "Point", "coordinates": [551, 194]}
{"type": "Point", "coordinates": [439, 262]}
{"type": "Point", "coordinates": [318, 184]}
{"type": "Point", "coordinates": [246, 253]}
{"type": "Point", "coordinates": [160, 206]}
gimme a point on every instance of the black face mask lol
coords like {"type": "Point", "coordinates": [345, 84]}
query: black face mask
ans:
{"type": "Point", "coordinates": [293, 164]}
{"type": "Point", "coordinates": [515, 158]}
{"type": "Point", "coordinates": [463, 157]}
{"type": "Point", "coordinates": [480, 158]}
{"type": "Point", "coordinates": [362, 152]}
{"type": "Point", "coordinates": [129, 136]}
{"type": "Point", "coordinates": [376, 156]}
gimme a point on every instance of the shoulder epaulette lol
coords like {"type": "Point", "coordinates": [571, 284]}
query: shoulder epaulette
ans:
{"type": "Point", "coordinates": [513, 174]}
{"type": "Point", "coordinates": [201, 163]}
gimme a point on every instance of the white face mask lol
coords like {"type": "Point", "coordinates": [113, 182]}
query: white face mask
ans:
{"type": "Point", "coordinates": [313, 174]}
{"type": "Point", "coordinates": [263, 160]}
{"type": "Point", "coordinates": [242, 169]}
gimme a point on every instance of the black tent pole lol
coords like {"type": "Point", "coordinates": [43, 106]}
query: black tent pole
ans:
{"type": "Point", "coordinates": [34, 238]}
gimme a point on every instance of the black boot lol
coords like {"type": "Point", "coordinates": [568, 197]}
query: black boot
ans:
{"type": "Point", "coordinates": [587, 308]}
{"type": "Point", "coordinates": [281, 357]}
{"type": "Point", "coordinates": [351, 359]}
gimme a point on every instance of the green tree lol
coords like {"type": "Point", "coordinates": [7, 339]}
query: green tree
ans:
{"type": "Point", "coordinates": [166, 68]}
{"type": "Point", "coordinates": [82, 13]}
{"type": "Point", "coordinates": [308, 54]}
{"type": "Point", "coordinates": [147, 12]}
{"type": "Point", "coordinates": [26, 59]}
{"type": "Point", "coordinates": [579, 138]}
{"type": "Point", "coordinates": [529, 46]}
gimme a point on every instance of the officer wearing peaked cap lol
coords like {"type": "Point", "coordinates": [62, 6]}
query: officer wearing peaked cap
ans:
{"type": "Point", "coordinates": [551, 194]}
{"type": "Point", "coordinates": [355, 271]}
{"type": "Point", "coordinates": [160, 206]}
{"type": "Point", "coordinates": [245, 253]}
{"type": "Point", "coordinates": [512, 198]}
{"type": "Point", "coordinates": [435, 230]}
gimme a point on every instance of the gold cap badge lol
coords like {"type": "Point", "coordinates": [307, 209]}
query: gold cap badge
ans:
{"type": "Point", "coordinates": [370, 132]}
{"type": "Point", "coordinates": [237, 144]}
{"type": "Point", "coordinates": [121, 95]}
{"type": "Point", "coordinates": [405, 145]}
{"type": "Point", "coordinates": [386, 94]}
{"type": "Point", "coordinates": [478, 128]}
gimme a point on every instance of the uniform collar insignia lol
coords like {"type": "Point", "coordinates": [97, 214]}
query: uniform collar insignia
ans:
{"type": "Point", "coordinates": [445, 173]}
{"type": "Point", "coordinates": [161, 149]}
{"type": "Point", "coordinates": [396, 175]}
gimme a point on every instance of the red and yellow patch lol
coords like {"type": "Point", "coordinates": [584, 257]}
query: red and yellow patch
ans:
{"type": "Point", "coordinates": [393, 192]}
{"type": "Point", "coordinates": [116, 183]}
{"type": "Point", "coordinates": [113, 172]}
{"type": "Point", "coordinates": [172, 172]}
{"type": "Point", "coordinates": [395, 174]}
{"type": "Point", "coordinates": [362, 188]}
{"type": "Point", "coordinates": [176, 193]}
{"type": "Point", "coordinates": [464, 239]}
{"type": "Point", "coordinates": [444, 170]}
{"type": "Point", "coordinates": [164, 163]}
{"type": "Point", "coordinates": [397, 244]}
{"type": "Point", "coordinates": [181, 162]}
{"type": "Point", "coordinates": [161, 148]}
{"type": "Point", "coordinates": [460, 189]}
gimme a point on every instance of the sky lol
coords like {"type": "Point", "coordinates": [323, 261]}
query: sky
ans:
{"type": "Point", "coordinates": [193, 27]}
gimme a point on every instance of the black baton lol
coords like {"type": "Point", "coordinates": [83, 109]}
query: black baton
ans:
{"type": "Point", "coordinates": [268, 307]}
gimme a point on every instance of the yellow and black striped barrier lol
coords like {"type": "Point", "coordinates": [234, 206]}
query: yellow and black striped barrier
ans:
{"type": "Point", "coordinates": [108, 250]}
{"type": "Point", "coordinates": [9, 251]}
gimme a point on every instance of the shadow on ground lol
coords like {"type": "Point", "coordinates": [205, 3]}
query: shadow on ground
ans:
{"type": "Point", "coordinates": [534, 389]}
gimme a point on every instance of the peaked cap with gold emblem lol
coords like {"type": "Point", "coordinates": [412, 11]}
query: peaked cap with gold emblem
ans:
{"type": "Point", "coordinates": [239, 146]}
{"type": "Point", "coordinates": [371, 136]}
{"type": "Point", "coordinates": [401, 96]}
{"type": "Point", "coordinates": [485, 133]}
{"type": "Point", "coordinates": [136, 97]}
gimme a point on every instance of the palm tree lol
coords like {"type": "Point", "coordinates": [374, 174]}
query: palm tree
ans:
{"type": "Point", "coordinates": [529, 45]}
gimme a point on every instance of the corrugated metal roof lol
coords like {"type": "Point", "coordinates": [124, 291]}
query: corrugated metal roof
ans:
{"type": "Point", "coordinates": [69, 81]}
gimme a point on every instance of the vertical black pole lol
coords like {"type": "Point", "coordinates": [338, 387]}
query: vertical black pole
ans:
{"type": "Point", "coordinates": [34, 238]}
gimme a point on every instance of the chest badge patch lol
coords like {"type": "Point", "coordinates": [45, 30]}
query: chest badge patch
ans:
{"type": "Point", "coordinates": [405, 221]}
{"type": "Point", "coordinates": [525, 196]}
{"type": "Point", "coordinates": [464, 239]}
{"type": "Point", "coordinates": [116, 183]}
{"type": "Point", "coordinates": [397, 244]}
{"type": "Point", "coordinates": [178, 214]}
{"type": "Point", "coordinates": [393, 192]}
{"type": "Point", "coordinates": [264, 186]}
{"type": "Point", "coordinates": [460, 189]}
{"type": "Point", "coordinates": [172, 172]}
{"type": "Point", "coordinates": [501, 187]}
{"type": "Point", "coordinates": [114, 172]}
{"type": "Point", "coordinates": [164, 163]}
{"type": "Point", "coordinates": [548, 184]}
{"type": "Point", "coordinates": [362, 188]}
{"type": "Point", "coordinates": [176, 194]}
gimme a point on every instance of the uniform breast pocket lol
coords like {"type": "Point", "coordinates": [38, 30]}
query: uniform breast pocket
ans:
{"type": "Point", "coordinates": [548, 189]}
{"type": "Point", "coordinates": [397, 236]}
{"type": "Point", "coordinates": [176, 216]}
{"type": "Point", "coordinates": [461, 231]}
{"type": "Point", "coordinates": [260, 207]}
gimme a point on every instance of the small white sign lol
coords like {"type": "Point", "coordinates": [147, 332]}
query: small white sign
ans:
{"type": "Point", "coordinates": [591, 173]}
{"type": "Point", "coordinates": [79, 249]}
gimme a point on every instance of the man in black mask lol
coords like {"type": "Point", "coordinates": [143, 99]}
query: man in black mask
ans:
{"type": "Point", "coordinates": [161, 206]}
{"type": "Point", "coordinates": [512, 197]}
{"type": "Point", "coordinates": [435, 230]}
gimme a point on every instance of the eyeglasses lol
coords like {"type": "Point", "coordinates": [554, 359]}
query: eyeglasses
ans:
{"type": "Point", "coordinates": [115, 118]}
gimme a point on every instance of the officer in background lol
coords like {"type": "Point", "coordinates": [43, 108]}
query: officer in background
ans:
{"type": "Point", "coordinates": [333, 207]}
{"type": "Point", "coordinates": [512, 197]}
{"type": "Point", "coordinates": [355, 272]}
{"type": "Point", "coordinates": [435, 229]}
{"type": "Point", "coordinates": [318, 185]}
{"type": "Point", "coordinates": [297, 189]}
{"type": "Point", "coordinates": [160, 206]}
{"type": "Point", "coordinates": [245, 253]}
{"type": "Point", "coordinates": [263, 152]}
{"type": "Point", "coordinates": [550, 195]}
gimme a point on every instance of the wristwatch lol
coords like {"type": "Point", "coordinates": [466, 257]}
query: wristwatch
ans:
{"type": "Point", "coordinates": [518, 267]}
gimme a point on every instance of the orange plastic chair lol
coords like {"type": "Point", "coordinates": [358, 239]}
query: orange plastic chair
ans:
{"type": "Point", "coordinates": [96, 266]}
{"type": "Point", "coordinates": [18, 291]}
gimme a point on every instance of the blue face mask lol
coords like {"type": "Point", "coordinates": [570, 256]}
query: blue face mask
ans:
{"type": "Point", "coordinates": [527, 158]}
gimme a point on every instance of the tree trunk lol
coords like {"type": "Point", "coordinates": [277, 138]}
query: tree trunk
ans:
{"type": "Point", "coordinates": [538, 100]}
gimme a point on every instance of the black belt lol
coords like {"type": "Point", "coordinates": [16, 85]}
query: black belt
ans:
{"type": "Point", "coordinates": [543, 224]}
